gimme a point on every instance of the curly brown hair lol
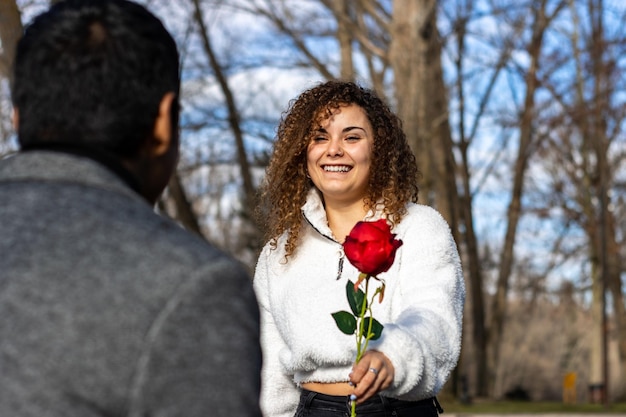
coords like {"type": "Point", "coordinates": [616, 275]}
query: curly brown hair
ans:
{"type": "Point", "coordinates": [393, 176]}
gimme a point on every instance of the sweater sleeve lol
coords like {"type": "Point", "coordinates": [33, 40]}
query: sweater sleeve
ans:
{"type": "Point", "coordinates": [423, 341]}
{"type": "Point", "coordinates": [279, 393]}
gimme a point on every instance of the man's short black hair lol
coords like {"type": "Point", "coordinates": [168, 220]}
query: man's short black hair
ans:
{"type": "Point", "coordinates": [93, 72]}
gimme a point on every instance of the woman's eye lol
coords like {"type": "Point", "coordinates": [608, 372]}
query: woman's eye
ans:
{"type": "Point", "coordinates": [352, 138]}
{"type": "Point", "coordinates": [319, 139]}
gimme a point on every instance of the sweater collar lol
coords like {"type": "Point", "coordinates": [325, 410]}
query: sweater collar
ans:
{"type": "Point", "coordinates": [314, 213]}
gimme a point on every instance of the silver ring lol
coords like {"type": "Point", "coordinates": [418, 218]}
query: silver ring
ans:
{"type": "Point", "coordinates": [374, 371]}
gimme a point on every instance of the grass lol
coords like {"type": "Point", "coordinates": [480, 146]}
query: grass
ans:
{"type": "Point", "coordinates": [529, 407]}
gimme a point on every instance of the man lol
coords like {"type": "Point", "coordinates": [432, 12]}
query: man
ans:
{"type": "Point", "coordinates": [106, 308]}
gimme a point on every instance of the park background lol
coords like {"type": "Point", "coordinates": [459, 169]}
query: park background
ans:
{"type": "Point", "coordinates": [515, 110]}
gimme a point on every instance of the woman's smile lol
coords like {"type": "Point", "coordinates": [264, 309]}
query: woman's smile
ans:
{"type": "Point", "coordinates": [336, 168]}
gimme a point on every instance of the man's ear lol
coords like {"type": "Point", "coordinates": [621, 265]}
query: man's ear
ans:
{"type": "Point", "coordinates": [163, 133]}
{"type": "Point", "coordinates": [15, 118]}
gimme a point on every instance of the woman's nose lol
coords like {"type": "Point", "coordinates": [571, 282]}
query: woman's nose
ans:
{"type": "Point", "coordinates": [334, 148]}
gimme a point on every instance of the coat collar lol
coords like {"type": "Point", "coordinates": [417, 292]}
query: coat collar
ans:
{"type": "Point", "coordinates": [68, 167]}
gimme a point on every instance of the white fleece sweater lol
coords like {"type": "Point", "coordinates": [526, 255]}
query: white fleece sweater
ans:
{"type": "Point", "coordinates": [421, 312]}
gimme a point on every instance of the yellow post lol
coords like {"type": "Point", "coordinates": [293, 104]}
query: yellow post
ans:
{"type": "Point", "coordinates": [569, 388]}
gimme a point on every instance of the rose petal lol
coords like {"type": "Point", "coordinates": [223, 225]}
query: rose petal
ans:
{"type": "Point", "coordinates": [371, 247]}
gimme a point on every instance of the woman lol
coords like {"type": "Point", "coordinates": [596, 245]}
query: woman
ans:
{"type": "Point", "coordinates": [341, 157]}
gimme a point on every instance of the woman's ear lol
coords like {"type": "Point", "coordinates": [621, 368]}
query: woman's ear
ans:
{"type": "Point", "coordinates": [163, 134]}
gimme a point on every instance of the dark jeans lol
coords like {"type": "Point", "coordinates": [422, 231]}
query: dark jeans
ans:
{"type": "Point", "coordinates": [313, 404]}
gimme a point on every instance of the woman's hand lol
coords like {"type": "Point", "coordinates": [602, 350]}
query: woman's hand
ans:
{"type": "Point", "coordinates": [372, 374]}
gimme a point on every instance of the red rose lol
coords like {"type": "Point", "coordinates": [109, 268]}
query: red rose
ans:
{"type": "Point", "coordinates": [371, 247]}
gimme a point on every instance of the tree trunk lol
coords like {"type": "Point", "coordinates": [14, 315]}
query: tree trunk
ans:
{"type": "Point", "coordinates": [421, 97]}
{"type": "Point", "coordinates": [473, 267]}
{"type": "Point", "coordinates": [606, 247]}
{"type": "Point", "coordinates": [10, 32]}
{"type": "Point", "coordinates": [614, 270]}
{"type": "Point", "coordinates": [406, 55]}
{"type": "Point", "coordinates": [234, 118]}
{"type": "Point", "coordinates": [184, 209]}
{"type": "Point", "coordinates": [254, 239]}
{"type": "Point", "coordinates": [344, 36]}
{"type": "Point", "coordinates": [499, 304]}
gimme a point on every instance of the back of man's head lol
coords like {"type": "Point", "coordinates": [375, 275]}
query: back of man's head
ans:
{"type": "Point", "coordinates": [92, 73]}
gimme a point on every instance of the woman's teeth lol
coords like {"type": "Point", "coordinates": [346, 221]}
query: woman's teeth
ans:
{"type": "Point", "coordinates": [337, 168]}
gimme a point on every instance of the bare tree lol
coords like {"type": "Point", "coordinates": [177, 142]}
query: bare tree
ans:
{"type": "Point", "coordinates": [582, 154]}
{"type": "Point", "coordinates": [474, 270]}
{"type": "Point", "coordinates": [422, 103]}
{"type": "Point", "coordinates": [218, 167]}
{"type": "Point", "coordinates": [541, 20]}
{"type": "Point", "coordinates": [234, 117]}
{"type": "Point", "coordinates": [597, 139]}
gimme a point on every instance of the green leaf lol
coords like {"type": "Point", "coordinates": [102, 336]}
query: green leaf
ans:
{"type": "Point", "coordinates": [377, 328]}
{"type": "Point", "coordinates": [355, 298]}
{"type": "Point", "coordinates": [345, 321]}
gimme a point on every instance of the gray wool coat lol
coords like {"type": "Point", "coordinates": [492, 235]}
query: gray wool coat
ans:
{"type": "Point", "coordinates": [108, 309]}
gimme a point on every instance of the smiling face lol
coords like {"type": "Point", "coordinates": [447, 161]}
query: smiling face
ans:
{"type": "Point", "coordinates": [339, 155]}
